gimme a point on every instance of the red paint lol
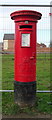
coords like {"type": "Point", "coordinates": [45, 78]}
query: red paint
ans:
{"type": "Point", "coordinates": [25, 57]}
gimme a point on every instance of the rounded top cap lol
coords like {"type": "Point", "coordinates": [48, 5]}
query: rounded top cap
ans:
{"type": "Point", "coordinates": [34, 14]}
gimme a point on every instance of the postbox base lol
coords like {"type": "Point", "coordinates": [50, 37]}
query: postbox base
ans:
{"type": "Point", "coordinates": [25, 93]}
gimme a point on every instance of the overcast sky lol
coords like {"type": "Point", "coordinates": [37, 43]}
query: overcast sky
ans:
{"type": "Point", "coordinates": [47, 2]}
{"type": "Point", "coordinates": [43, 26]}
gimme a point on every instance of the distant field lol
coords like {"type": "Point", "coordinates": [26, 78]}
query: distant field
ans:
{"type": "Point", "coordinates": [43, 83]}
{"type": "Point", "coordinates": [7, 72]}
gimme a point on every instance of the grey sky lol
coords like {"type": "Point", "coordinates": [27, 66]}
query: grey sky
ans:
{"type": "Point", "coordinates": [47, 2]}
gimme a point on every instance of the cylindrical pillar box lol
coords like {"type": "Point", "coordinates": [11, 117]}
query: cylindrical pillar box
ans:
{"type": "Point", "coordinates": [25, 56]}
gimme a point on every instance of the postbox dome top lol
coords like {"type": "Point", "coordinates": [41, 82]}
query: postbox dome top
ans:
{"type": "Point", "coordinates": [25, 14]}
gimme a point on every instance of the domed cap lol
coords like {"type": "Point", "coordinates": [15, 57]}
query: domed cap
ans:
{"type": "Point", "coordinates": [26, 15]}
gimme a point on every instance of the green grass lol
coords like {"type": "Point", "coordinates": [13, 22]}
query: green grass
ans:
{"type": "Point", "coordinates": [10, 108]}
{"type": "Point", "coordinates": [43, 72]}
{"type": "Point", "coordinates": [43, 83]}
{"type": "Point", "coordinates": [7, 72]}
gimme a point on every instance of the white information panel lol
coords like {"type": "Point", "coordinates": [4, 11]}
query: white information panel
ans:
{"type": "Point", "coordinates": [26, 40]}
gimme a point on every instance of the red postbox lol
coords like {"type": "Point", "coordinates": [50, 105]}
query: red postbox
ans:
{"type": "Point", "coordinates": [25, 55]}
